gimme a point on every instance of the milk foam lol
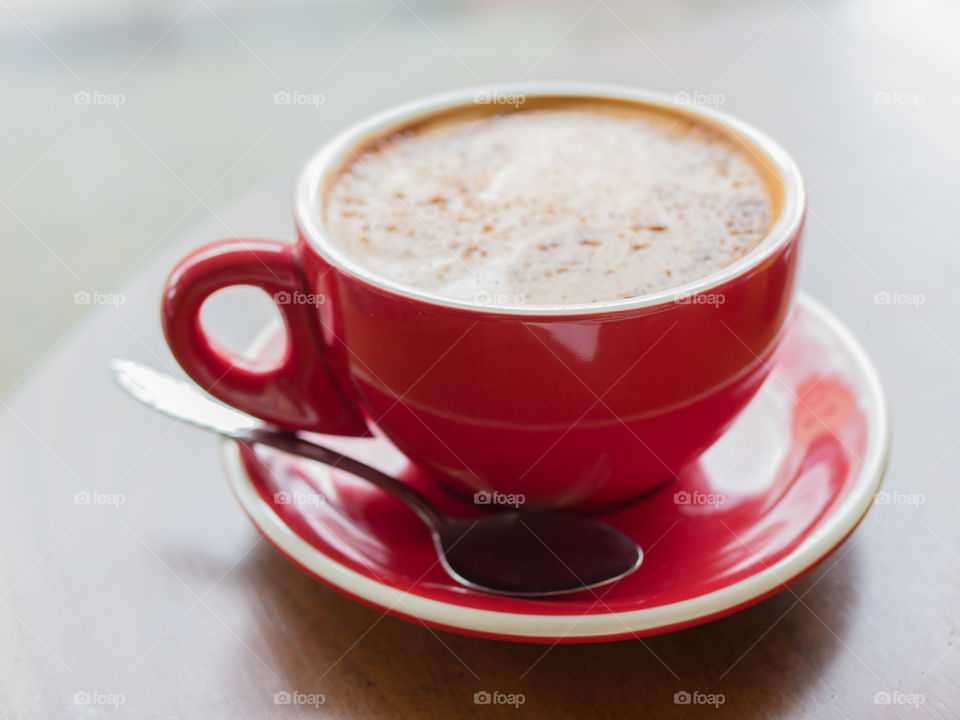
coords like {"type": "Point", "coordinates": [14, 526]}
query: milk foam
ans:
{"type": "Point", "coordinates": [567, 205]}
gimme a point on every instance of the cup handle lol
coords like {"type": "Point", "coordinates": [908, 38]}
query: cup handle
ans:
{"type": "Point", "coordinates": [299, 391]}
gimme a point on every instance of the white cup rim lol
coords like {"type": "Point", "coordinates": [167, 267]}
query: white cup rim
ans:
{"type": "Point", "coordinates": [308, 209]}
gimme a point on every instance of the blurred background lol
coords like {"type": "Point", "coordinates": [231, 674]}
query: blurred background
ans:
{"type": "Point", "coordinates": [125, 122]}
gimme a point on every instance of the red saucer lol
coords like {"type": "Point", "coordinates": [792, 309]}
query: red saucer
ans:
{"type": "Point", "coordinates": [769, 501]}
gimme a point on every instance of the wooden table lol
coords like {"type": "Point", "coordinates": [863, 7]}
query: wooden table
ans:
{"type": "Point", "coordinates": [127, 571]}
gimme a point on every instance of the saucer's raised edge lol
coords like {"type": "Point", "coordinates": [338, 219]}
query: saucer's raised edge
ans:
{"type": "Point", "coordinates": [600, 626]}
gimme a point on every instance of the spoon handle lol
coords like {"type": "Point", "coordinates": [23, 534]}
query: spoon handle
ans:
{"type": "Point", "coordinates": [295, 445]}
{"type": "Point", "coordinates": [184, 401]}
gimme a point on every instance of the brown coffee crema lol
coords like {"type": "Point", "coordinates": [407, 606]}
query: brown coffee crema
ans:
{"type": "Point", "coordinates": [560, 201]}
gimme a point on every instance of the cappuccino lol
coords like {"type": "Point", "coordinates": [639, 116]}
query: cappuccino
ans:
{"type": "Point", "coordinates": [558, 201]}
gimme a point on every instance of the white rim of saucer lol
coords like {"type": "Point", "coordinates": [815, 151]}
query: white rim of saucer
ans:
{"type": "Point", "coordinates": [309, 215]}
{"type": "Point", "coordinates": [825, 538]}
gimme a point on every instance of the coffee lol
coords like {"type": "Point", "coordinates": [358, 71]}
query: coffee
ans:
{"type": "Point", "coordinates": [560, 201]}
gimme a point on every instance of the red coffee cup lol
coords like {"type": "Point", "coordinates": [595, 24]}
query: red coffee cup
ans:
{"type": "Point", "coordinates": [583, 406]}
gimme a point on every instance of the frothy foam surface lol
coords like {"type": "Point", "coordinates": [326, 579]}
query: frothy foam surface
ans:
{"type": "Point", "coordinates": [572, 204]}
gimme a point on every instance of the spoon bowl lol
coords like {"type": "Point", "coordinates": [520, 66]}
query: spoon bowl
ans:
{"type": "Point", "coordinates": [532, 553]}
